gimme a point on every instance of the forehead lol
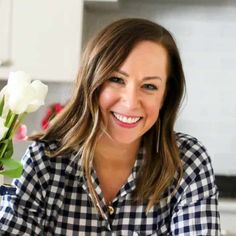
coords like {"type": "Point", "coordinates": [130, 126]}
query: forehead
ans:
{"type": "Point", "coordinates": [146, 58]}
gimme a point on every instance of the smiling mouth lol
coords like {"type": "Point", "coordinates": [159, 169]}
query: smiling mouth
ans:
{"type": "Point", "coordinates": [126, 119]}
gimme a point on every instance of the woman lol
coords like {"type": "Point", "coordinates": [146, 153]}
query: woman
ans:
{"type": "Point", "coordinates": [111, 163]}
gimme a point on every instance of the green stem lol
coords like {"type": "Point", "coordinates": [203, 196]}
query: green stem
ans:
{"type": "Point", "coordinates": [3, 149]}
{"type": "Point", "coordinates": [20, 120]}
{"type": "Point", "coordinates": [10, 123]}
{"type": "Point", "coordinates": [13, 124]}
{"type": "Point", "coordinates": [2, 105]}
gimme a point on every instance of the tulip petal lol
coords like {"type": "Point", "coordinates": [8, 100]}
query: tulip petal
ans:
{"type": "Point", "coordinates": [3, 92]}
{"type": "Point", "coordinates": [39, 94]}
{"type": "Point", "coordinates": [3, 128]}
{"type": "Point", "coordinates": [19, 100]}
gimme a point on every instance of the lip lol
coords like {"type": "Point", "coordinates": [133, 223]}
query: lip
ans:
{"type": "Point", "coordinates": [123, 124]}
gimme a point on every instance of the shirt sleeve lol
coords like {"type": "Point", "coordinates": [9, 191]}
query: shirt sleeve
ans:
{"type": "Point", "coordinates": [23, 213]}
{"type": "Point", "coordinates": [196, 212]}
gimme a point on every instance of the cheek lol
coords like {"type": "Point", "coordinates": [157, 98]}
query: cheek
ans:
{"type": "Point", "coordinates": [153, 112]}
{"type": "Point", "coordinates": [153, 108]}
{"type": "Point", "coordinates": [103, 102]}
{"type": "Point", "coordinates": [106, 99]}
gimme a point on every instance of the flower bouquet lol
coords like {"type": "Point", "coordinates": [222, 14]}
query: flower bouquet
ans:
{"type": "Point", "coordinates": [18, 98]}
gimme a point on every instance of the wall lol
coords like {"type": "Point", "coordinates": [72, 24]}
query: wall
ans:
{"type": "Point", "coordinates": [206, 34]}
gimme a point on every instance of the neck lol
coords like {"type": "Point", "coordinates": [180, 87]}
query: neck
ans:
{"type": "Point", "coordinates": [110, 153]}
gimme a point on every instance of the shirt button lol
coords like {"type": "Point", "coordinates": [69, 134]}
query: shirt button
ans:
{"type": "Point", "coordinates": [111, 210]}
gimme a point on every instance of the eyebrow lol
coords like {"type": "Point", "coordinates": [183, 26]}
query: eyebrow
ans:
{"type": "Point", "coordinates": [145, 78]}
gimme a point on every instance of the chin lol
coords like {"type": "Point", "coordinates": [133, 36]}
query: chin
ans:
{"type": "Point", "coordinates": [125, 140]}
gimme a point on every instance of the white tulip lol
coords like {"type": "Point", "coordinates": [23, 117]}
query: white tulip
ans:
{"type": "Point", "coordinates": [19, 100]}
{"type": "Point", "coordinates": [40, 91]}
{"type": "Point", "coordinates": [6, 107]}
{"type": "Point", "coordinates": [23, 96]}
{"type": "Point", "coordinates": [3, 92]}
{"type": "Point", "coordinates": [3, 128]}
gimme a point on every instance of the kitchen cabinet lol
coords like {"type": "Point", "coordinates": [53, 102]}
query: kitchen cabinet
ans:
{"type": "Point", "coordinates": [101, 4]}
{"type": "Point", "coordinates": [5, 26]}
{"type": "Point", "coordinates": [101, 1]}
{"type": "Point", "coordinates": [45, 38]}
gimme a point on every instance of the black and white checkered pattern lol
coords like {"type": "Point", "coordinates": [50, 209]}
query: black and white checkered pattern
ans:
{"type": "Point", "coordinates": [52, 199]}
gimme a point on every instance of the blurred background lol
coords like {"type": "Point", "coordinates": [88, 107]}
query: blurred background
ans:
{"type": "Point", "coordinates": [46, 38]}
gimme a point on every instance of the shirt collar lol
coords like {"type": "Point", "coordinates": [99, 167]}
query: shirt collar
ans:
{"type": "Point", "coordinates": [130, 185]}
{"type": "Point", "coordinates": [75, 168]}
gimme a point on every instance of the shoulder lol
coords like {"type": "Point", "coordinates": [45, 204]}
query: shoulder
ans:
{"type": "Point", "coordinates": [36, 154]}
{"type": "Point", "coordinates": [194, 157]}
{"type": "Point", "coordinates": [192, 151]}
{"type": "Point", "coordinates": [36, 161]}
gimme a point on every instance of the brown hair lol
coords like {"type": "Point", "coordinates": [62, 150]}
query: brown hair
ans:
{"type": "Point", "coordinates": [77, 127]}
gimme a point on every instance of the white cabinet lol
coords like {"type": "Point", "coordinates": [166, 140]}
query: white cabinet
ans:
{"type": "Point", "coordinates": [5, 26]}
{"type": "Point", "coordinates": [101, 4]}
{"type": "Point", "coordinates": [45, 38]}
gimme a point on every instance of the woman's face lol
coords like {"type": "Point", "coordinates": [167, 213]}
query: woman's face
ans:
{"type": "Point", "coordinates": [130, 100]}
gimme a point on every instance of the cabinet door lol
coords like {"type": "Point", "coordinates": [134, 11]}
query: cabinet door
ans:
{"type": "Point", "coordinates": [46, 38]}
{"type": "Point", "coordinates": [5, 26]}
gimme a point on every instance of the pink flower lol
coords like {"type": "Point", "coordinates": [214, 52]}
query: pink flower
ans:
{"type": "Point", "coordinates": [57, 107]}
{"type": "Point", "coordinates": [45, 123]}
{"type": "Point", "coordinates": [21, 133]}
{"type": "Point", "coordinates": [51, 112]}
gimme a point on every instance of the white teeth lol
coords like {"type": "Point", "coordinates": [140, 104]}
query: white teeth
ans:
{"type": "Point", "coordinates": [125, 119]}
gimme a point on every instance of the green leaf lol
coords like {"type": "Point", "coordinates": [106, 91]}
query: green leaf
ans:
{"type": "Point", "coordinates": [1, 106]}
{"type": "Point", "coordinates": [11, 168]}
{"type": "Point", "coordinates": [4, 141]}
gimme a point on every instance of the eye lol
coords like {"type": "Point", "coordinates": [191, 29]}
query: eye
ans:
{"type": "Point", "coordinates": [115, 79]}
{"type": "Point", "coordinates": [150, 86]}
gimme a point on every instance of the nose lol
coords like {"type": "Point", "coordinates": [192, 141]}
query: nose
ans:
{"type": "Point", "coordinates": [131, 98]}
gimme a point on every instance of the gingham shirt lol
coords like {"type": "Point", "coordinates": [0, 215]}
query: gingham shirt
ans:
{"type": "Point", "coordinates": [52, 199]}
